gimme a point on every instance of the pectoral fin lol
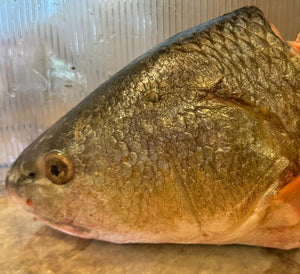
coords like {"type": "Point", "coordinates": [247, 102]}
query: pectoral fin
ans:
{"type": "Point", "coordinates": [295, 44]}
{"type": "Point", "coordinates": [290, 195]}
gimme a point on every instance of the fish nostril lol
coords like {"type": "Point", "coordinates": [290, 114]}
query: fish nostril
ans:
{"type": "Point", "coordinates": [20, 180]}
{"type": "Point", "coordinates": [15, 179]}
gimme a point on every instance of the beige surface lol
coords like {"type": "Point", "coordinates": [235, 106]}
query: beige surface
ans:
{"type": "Point", "coordinates": [28, 246]}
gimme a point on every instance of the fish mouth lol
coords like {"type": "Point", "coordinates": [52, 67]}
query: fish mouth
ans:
{"type": "Point", "coordinates": [12, 190]}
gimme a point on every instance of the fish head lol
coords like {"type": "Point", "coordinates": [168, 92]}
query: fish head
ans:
{"type": "Point", "coordinates": [45, 181]}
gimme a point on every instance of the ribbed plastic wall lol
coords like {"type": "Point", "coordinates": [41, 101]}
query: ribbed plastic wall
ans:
{"type": "Point", "coordinates": [53, 53]}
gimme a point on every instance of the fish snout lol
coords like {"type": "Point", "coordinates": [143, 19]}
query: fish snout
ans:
{"type": "Point", "coordinates": [9, 182]}
{"type": "Point", "coordinates": [16, 177]}
{"type": "Point", "coordinates": [12, 181]}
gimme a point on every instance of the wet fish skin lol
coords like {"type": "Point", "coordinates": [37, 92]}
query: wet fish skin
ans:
{"type": "Point", "coordinates": [190, 143]}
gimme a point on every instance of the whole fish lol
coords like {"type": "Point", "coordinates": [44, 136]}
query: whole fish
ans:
{"type": "Point", "coordinates": [196, 141]}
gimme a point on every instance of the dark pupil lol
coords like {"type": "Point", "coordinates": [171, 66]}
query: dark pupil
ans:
{"type": "Point", "coordinates": [55, 170]}
{"type": "Point", "coordinates": [31, 175]}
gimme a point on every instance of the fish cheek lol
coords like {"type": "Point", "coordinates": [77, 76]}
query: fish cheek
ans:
{"type": "Point", "coordinates": [42, 193]}
{"type": "Point", "coordinates": [50, 202]}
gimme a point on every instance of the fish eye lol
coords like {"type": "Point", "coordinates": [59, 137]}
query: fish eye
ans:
{"type": "Point", "coordinates": [31, 175]}
{"type": "Point", "coordinates": [57, 168]}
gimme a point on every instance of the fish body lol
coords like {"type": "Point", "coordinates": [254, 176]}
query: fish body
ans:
{"type": "Point", "coordinates": [196, 141]}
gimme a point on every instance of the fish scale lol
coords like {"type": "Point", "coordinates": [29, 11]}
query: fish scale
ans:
{"type": "Point", "coordinates": [193, 142]}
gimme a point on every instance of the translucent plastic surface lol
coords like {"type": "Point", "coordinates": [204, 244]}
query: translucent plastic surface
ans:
{"type": "Point", "coordinates": [53, 53]}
